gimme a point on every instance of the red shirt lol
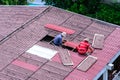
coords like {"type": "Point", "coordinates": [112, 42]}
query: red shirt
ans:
{"type": "Point", "coordinates": [83, 47]}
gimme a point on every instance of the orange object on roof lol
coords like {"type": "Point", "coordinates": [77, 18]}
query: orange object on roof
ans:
{"type": "Point", "coordinates": [71, 44]}
{"type": "Point", "coordinates": [82, 48]}
{"type": "Point", "coordinates": [59, 28]}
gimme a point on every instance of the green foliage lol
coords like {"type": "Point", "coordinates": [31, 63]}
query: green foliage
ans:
{"type": "Point", "coordinates": [74, 8]}
{"type": "Point", "coordinates": [13, 2]}
{"type": "Point", "coordinates": [59, 3]}
{"type": "Point", "coordinates": [92, 8]}
{"type": "Point", "coordinates": [92, 5]}
{"type": "Point", "coordinates": [87, 6]}
{"type": "Point", "coordinates": [107, 13]}
{"type": "Point", "coordinates": [83, 9]}
{"type": "Point", "coordinates": [116, 6]}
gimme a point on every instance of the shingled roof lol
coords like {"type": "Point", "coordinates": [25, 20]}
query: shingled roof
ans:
{"type": "Point", "coordinates": [22, 27]}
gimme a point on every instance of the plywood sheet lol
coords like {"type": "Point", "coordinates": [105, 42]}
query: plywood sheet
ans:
{"type": "Point", "coordinates": [98, 41]}
{"type": "Point", "coordinates": [87, 63]}
{"type": "Point", "coordinates": [65, 57]}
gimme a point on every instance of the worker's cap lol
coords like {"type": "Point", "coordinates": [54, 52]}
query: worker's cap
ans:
{"type": "Point", "coordinates": [63, 34]}
{"type": "Point", "coordinates": [86, 39]}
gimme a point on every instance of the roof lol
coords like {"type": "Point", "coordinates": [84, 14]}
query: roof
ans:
{"type": "Point", "coordinates": [22, 27]}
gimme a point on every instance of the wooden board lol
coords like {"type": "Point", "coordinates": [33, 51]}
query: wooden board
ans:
{"type": "Point", "coordinates": [70, 44]}
{"type": "Point", "coordinates": [59, 28]}
{"type": "Point", "coordinates": [65, 57]}
{"type": "Point", "coordinates": [98, 41]}
{"type": "Point", "coordinates": [87, 63]}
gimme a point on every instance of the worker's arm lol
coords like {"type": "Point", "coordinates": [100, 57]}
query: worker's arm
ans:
{"type": "Point", "coordinates": [63, 41]}
{"type": "Point", "coordinates": [91, 49]}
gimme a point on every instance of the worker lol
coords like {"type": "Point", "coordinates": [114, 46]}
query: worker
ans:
{"type": "Point", "coordinates": [58, 40]}
{"type": "Point", "coordinates": [84, 47]}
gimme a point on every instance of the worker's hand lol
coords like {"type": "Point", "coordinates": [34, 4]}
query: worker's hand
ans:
{"type": "Point", "coordinates": [64, 41]}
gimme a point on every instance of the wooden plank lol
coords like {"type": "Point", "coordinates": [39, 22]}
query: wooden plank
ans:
{"type": "Point", "coordinates": [98, 41]}
{"type": "Point", "coordinates": [59, 28]}
{"type": "Point", "coordinates": [65, 57]}
{"type": "Point", "coordinates": [87, 63]}
{"type": "Point", "coordinates": [70, 44]}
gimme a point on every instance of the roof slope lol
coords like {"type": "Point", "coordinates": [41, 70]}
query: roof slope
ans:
{"type": "Point", "coordinates": [23, 27]}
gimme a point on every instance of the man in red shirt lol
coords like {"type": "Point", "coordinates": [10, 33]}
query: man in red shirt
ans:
{"type": "Point", "coordinates": [84, 47]}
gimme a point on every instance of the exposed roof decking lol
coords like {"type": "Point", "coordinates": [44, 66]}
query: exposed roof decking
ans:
{"type": "Point", "coordinates": [15, 45]}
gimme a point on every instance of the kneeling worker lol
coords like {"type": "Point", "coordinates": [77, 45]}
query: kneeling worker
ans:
{"type": "Point", "coordinates": [58, 40]}
{"type": "Point", "coordinates": [84, 47]}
